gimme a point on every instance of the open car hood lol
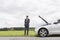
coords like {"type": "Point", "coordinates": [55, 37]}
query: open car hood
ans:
{"type": "Point", "coordinates": [44, 20]}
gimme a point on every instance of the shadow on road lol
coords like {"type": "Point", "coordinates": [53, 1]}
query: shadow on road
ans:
{"type": "Point", "coordinates": [52, 35]}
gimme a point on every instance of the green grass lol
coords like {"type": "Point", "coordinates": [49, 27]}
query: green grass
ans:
{"type": "Point", "coordinates": [16, 33]}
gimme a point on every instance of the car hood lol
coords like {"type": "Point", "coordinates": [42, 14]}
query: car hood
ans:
{"type": "Point", "coordinates": [45, 25]}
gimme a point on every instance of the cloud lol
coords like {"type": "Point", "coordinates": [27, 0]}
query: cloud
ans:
{"type": "Point", "coordinates": [13, 12]}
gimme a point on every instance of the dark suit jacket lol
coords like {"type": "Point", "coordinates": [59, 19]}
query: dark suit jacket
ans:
{"type": "Point", "coordinates": [27, 22]}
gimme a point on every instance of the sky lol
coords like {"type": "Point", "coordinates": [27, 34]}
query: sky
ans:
{"type": "Point", "coordinates": [13, 12]}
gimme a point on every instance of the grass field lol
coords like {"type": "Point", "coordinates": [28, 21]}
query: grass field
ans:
{"type": "Point", "coordinates": [16, 33]}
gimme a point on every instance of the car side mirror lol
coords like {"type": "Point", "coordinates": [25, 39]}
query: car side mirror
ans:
{"type": "Point", "coordinates": [55, 23]}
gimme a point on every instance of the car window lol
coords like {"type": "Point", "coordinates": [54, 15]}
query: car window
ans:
{"type": "Point", "coordinates": [55, 23]}
{"type": "Point", "coordinates": [58, 21]}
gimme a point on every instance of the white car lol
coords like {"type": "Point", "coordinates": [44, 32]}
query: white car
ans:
{"type": "Point", "coordinates": [48, 28]}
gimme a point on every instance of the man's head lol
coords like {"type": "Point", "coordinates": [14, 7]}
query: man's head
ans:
{"type": "Point", "coordinates": [27, 16]}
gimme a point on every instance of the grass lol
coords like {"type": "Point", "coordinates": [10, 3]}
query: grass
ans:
{"type": "Point", "coordinates": [16, 33]}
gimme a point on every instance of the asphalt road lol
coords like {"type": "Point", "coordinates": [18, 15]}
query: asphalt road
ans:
{"type": "Point", "coordinates": [29, 38]}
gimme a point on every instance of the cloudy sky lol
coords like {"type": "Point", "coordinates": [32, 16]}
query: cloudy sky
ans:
{"type": "Point", "coordinates": [13, 12]}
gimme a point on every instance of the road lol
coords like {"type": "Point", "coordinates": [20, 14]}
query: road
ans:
{"type": "Point", "coordinates": [29, 38]}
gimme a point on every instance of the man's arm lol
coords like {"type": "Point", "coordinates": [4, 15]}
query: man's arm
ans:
{"type": "Point", "coordinates": [25, 21]}
{"type": "Point", "coordinates": [29, 20]}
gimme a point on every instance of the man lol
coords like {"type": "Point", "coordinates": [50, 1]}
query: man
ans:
{"type": "Point", "coordinates": [27, 21]}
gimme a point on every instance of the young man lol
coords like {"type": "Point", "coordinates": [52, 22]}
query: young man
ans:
{"type": "Point", "coordinates": [27, 21]}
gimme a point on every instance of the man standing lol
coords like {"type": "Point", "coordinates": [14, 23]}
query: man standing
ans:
{"type": "Point", "coordinates": [27, 21]}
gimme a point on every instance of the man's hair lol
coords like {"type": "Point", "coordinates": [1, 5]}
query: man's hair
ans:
{"type": "Point", "coordinates": [26, 16]}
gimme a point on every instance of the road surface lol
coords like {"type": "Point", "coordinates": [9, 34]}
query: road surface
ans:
{"type": "Point", "coordinates": [29, 38]}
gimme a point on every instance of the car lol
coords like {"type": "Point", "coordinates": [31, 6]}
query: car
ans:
{"type": "Point", "coordinates": [48, 28]}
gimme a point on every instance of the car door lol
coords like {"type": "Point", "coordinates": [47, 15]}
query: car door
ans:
{"type": "Point", "coordinates": [57, 27]}
{"type": "Point", "coordinates": [54, 29]}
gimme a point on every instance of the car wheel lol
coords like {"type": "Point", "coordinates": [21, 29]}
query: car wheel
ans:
{"type": "Point", "coordinates": [43, 32]}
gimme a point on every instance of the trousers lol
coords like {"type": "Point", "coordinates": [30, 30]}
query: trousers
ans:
{"type": "Point", "coordinates": [26, 31]}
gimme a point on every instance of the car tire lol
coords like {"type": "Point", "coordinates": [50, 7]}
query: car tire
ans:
{"type": "Point", "coordinates": [43, 32]}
